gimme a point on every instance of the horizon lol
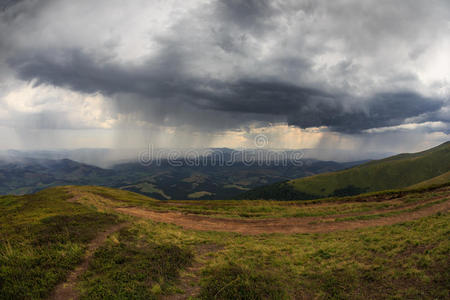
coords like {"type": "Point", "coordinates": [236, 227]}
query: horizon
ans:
{"type": "Point", "coordinates": [108, 158]}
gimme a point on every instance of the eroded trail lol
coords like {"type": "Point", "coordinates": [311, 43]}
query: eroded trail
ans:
{"type": "Point", "coordinates": [280, 225]}
{"type": "Point", "coordinates": [67, 290]}
{"type": "Point", "coordinates": [190, 278]}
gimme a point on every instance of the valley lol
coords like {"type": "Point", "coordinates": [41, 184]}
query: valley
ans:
{"type": "Point", "coordinates": [166, 180]}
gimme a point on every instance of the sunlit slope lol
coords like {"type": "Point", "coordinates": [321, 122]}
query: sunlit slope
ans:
{"type": "Point", "coordinates": [435, 181]}
{"type": "Point", "coordinates": [394, 172]}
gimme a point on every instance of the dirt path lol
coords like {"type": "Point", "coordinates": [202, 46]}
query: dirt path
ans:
{"type": "Point", "coordinates": [67, 290]}
{"type": "Point", "coordinates": [279, 225]}
{"type": "Point", "coordinates": [190, 279]}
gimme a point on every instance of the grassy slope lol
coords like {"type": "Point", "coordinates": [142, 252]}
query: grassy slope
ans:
{"type": "Point", "coordinates": [438, 180]}
{"type": "Point", "coordinates": [144, 260]}
{"type": "Point", "coordinates": [391, 173]}
{"type": "Point", "coordinates": [42, 237]}
{"type": "Point", "coordinates": [259, 209]}
{"type": "Point", "coordinates": [407, 260]}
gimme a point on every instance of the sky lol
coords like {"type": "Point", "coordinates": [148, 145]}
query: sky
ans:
{"type": "Point", "coordinates": [356, 75]}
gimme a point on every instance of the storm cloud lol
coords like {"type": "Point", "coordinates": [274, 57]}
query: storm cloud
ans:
{"type": "Point", "coordinates": [343, 66]}
{"type": "Point", "coordinates": [161, 82]}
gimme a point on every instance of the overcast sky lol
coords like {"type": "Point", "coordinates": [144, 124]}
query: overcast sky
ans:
{"type": "Point", "coordinates": [350, 74]}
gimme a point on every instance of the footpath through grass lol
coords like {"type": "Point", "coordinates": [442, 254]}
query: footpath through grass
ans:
{"type": "Point", "coordinates": [104, 198]}
{"type": "Point", "coordinates": [408, 260]}
{"type": "Point", "coordinates": [42, 238]}
{"type": "Point", "coordinates": [131, 266]}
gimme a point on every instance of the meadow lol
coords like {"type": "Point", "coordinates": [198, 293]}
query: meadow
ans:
{"type": "Point", "coordinates": [44, 237]}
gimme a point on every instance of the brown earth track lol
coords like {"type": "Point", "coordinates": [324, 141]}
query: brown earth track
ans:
{"type": "Point", "coordinates": [67, 290]}
{"type": "Point", "coordinates": [393, 197]}
{"type": "Point", "coordinates": [279, 225]}
{"type": "Point", "coordinates": [400, 207]}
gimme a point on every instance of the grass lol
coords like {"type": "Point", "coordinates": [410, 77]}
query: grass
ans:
{"type": "Point", "coordinates": [387, 214]}
{"type": "Point", "coordinates": [408, 260]}
{"type": "Point", "coordinates": [353, 264]}
{"type": "Point", "coordinates": [239, 282]}
{"type": "Point", "coordinates": [438, 180]}
{"type": "Point", "coordinates": [131, 267]}
{"type": "Point", "coordinates": [42, 238]}
{"type": "Point", "coordinates": [260, 209]}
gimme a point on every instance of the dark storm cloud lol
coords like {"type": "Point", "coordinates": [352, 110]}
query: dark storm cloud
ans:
{"type": "Point", "coordinates": [247, 15]}
{"type": "Point", "coordinates": [256, 61]}
{"type": "Point", "coordinates": [382, 110]}
{"type": "Point", "coordinates": [10, 10]}
{"type": "Point", "coordinates": [5, 4]}
{"type": "Point", "coordinates": [161, 82]}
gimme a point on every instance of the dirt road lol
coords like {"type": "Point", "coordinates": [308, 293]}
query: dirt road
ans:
{"type": "Point", "coordinates": [279, 225]}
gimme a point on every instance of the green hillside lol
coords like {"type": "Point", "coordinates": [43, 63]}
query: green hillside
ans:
{"type": "Point", "coordinates": [435, 181]}
{"type": "Point", "coordinates": [394, 172]}
{"type": "Point", "coordinates": [88, 242]}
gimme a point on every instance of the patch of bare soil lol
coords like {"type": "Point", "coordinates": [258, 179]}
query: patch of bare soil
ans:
{"type": "Point", "coordinates": [67, 290]}
{"type": "Point", "coordinates": [279, 225]}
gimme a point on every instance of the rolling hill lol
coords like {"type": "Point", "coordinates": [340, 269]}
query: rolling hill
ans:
{"type": "Point", "coordinates": [90, 242]}
{"type": "Point", "coordinates": [28, 175]}
{"type": "Point", "coordinates": [394, 172]}
{"type": "Point", "coordinates": [438, 180]}
{"type": "Point", "coordinates": [165, 180]}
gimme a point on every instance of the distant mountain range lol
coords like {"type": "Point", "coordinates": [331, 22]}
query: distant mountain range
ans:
{"type": "Point", "coordinates": [106, 158]}
{"type": "Point", "coordinates": [399, 171]}
{"type": "Point", "coordinates": [222, 173]}
{"type": "Point", "coordinates": [213, 174]}
{"type": "Point", "coordinates": [27, 175]}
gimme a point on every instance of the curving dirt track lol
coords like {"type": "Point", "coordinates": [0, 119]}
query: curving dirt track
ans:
{"type": "Point", "coordinates": [67, 290]}
{"type": "Point", "coordinates": [280, 225]}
